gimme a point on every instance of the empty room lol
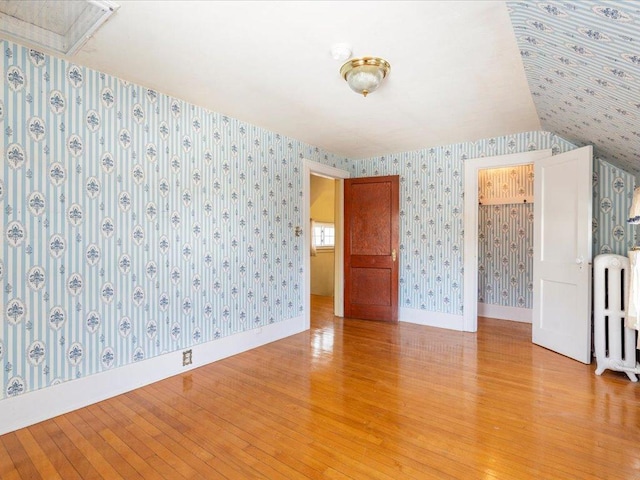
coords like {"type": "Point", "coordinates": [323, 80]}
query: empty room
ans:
{"type": "Point", "coordinates": [319, 239]}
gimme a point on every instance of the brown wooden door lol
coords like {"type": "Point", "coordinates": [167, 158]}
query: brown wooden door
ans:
{"type": "Point", "coordinates": [371, 207]}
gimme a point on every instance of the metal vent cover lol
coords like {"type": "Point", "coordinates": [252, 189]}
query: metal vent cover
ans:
{"type": "Point", "coordinates": [57, 26]}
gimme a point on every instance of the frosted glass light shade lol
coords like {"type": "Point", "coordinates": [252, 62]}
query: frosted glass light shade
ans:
{"type": "Point", "coordinates": [364, 75]}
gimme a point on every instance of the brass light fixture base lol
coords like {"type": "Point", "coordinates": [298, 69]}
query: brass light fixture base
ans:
{"type": "Point", "coordinates": [375, 66]}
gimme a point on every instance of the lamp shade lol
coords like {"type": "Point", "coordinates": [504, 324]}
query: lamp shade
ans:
{"type": "Point", "coordinates": [634, 211]}
{"type": "Point", "coordinates": [364, 75]}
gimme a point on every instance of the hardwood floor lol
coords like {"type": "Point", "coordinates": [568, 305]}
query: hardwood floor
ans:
{"type": "Point", "coordinates": [354, 399]}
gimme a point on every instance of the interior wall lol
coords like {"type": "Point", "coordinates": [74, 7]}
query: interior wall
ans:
{"type": "Point", "coordinates": [612, 197]}
{"type": "Point", "coordinates": [505, 236]}
{"type": "Point", "coordinates": [431, 213]}
{"type": "Point", "coordinates": [135, 224]}
{"type": "Point", "coordinates": [322, 209]}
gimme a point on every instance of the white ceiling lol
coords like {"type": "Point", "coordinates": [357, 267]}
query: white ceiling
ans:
{"type": "Point", "coordinates": [456, 73]}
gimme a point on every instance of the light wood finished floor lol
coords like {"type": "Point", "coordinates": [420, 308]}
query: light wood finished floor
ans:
{"type": "Point", "coordinates": [354, 399]}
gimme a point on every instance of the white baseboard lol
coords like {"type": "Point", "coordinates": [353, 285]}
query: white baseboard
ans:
{"type": "Point", "coordinates": [33, 407]}
{"type": "Point", "coordinates": [500, 312]}
{"type": "Point", "coordinates": [431, 319]}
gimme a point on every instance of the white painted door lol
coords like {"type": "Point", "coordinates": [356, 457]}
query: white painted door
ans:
{"type": "Point", "coordinates": [562, 254]}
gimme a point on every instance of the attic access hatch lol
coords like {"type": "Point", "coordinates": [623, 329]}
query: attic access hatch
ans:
{"type": "Point", "coordinates": [57, 26]}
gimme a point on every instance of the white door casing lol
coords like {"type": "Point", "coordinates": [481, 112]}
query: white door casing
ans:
{"type": "Point", "coordinates": [470, 276]}
{"type": "Point", "coordinates": [310, 167]}
{"type": "Point", "coordinates": [562, 253]}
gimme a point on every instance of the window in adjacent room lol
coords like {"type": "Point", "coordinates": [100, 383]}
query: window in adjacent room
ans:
{"type": "Point", "coordinates": [324, 236]}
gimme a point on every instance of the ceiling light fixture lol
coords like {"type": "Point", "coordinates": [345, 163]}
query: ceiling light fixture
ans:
{"type": "Point", "coordinates": [364, 75]}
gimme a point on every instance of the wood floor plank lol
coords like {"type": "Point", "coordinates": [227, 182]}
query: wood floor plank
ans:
{"type": "Point", "coordinates": [61, 463]}
{"type": "Point", "coordinates": [350, 442]}
{"type": "Point", "coordinates": [40, 460]}
{"type": "Point", "coordinates": [92, 432]}
{"type": "Point", "coordinates": [107, 431]}
{"type": "Point", "coordinates": [256, 420]}
{"type": "Point", "coordinates": [353, 399]}
{"type": "Point", "coordinates": [20, 458]}
{"type": "Point", "coordinates": [260, 427]}
{"type": "Point", "coordinates": [74, 455]}
{"type": "Point", "coordinates": [123, 423]}
{"type": "Point", "coordinates": [119, 425]}
{"type": "Point", "coordinates": [254, 433]}
{"type": "Point", "coordinates": [8, 468]}
{"type": "Point", "coordinates": [231, 460]}
{"type": "Point", "coordinates": [67, 423]}
{"type": "Point", "coordinates": [152, 436]}
{"type": "Point", "coordinates": [192, 446]}
{"type": "Point", "coordinates": [329, 434]}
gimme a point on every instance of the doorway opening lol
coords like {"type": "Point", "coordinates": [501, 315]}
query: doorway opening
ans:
{"type": "Point", "coordinates": [505, 243]}
{"type": "Point", "coordinates": [323, 230]}
{"type": "Point", "coordinates": [337, 176]}
{"type": "Point", "coordinates": [472, 170]}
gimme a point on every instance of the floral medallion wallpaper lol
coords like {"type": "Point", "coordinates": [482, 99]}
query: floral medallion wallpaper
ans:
{"type": "Point", "coordinates": [134, 223]}
{"type": "Point", "coordinates": [505, 236]}
{"type": "Point", "coordinates": [612, 196]}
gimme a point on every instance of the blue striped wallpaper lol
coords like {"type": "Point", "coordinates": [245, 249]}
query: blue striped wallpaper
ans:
{"type": "Point", "coordinates": [505, 236]}
{"type": "Point", "coordinates": [505, 255]}
{"type": "Point", "coordinates": [506, 185]}
{"type": "Point", "coordinates": [135, 223]}
{"type": "Point", "coordinates": [612, 195]}
{"type": "Point", "coordinates": [582, 64]}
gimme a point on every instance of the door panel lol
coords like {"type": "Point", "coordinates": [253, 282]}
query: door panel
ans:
{"type": "Point", "coordinates": [562, 254]}
{"type": "Point", "coordinates": [369, 286]}
{"type": "Point", "coordinates": [371, 210]}
{"type": "Point", "coordinates": [371, 247]}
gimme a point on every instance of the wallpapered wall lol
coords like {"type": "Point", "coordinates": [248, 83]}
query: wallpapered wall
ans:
{"type": "Point", "coordinates": [612, 196]}
{"type": "Point", "coordinates": [431, 223]}
{"type": "Point", "coordinates": [505, 236]}
{"type": "Point", "coordinates": [506, 185]}
{"type": "Point", "coordinates": [505, 248]}
{"type": "Point", "coordinates": [134, 223]}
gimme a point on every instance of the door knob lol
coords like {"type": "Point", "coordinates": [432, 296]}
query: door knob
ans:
{"type": "Point", "coordinates": [393, 255]}
{"type": "Point", "coordinates": [579, 261]}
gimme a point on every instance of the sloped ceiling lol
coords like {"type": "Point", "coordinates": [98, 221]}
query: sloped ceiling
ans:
{"type": "Point", "coordinates": [582, 62]}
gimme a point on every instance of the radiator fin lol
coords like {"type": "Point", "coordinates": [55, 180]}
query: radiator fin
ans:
{"type": "Point", "coordinates": [615, 344]}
